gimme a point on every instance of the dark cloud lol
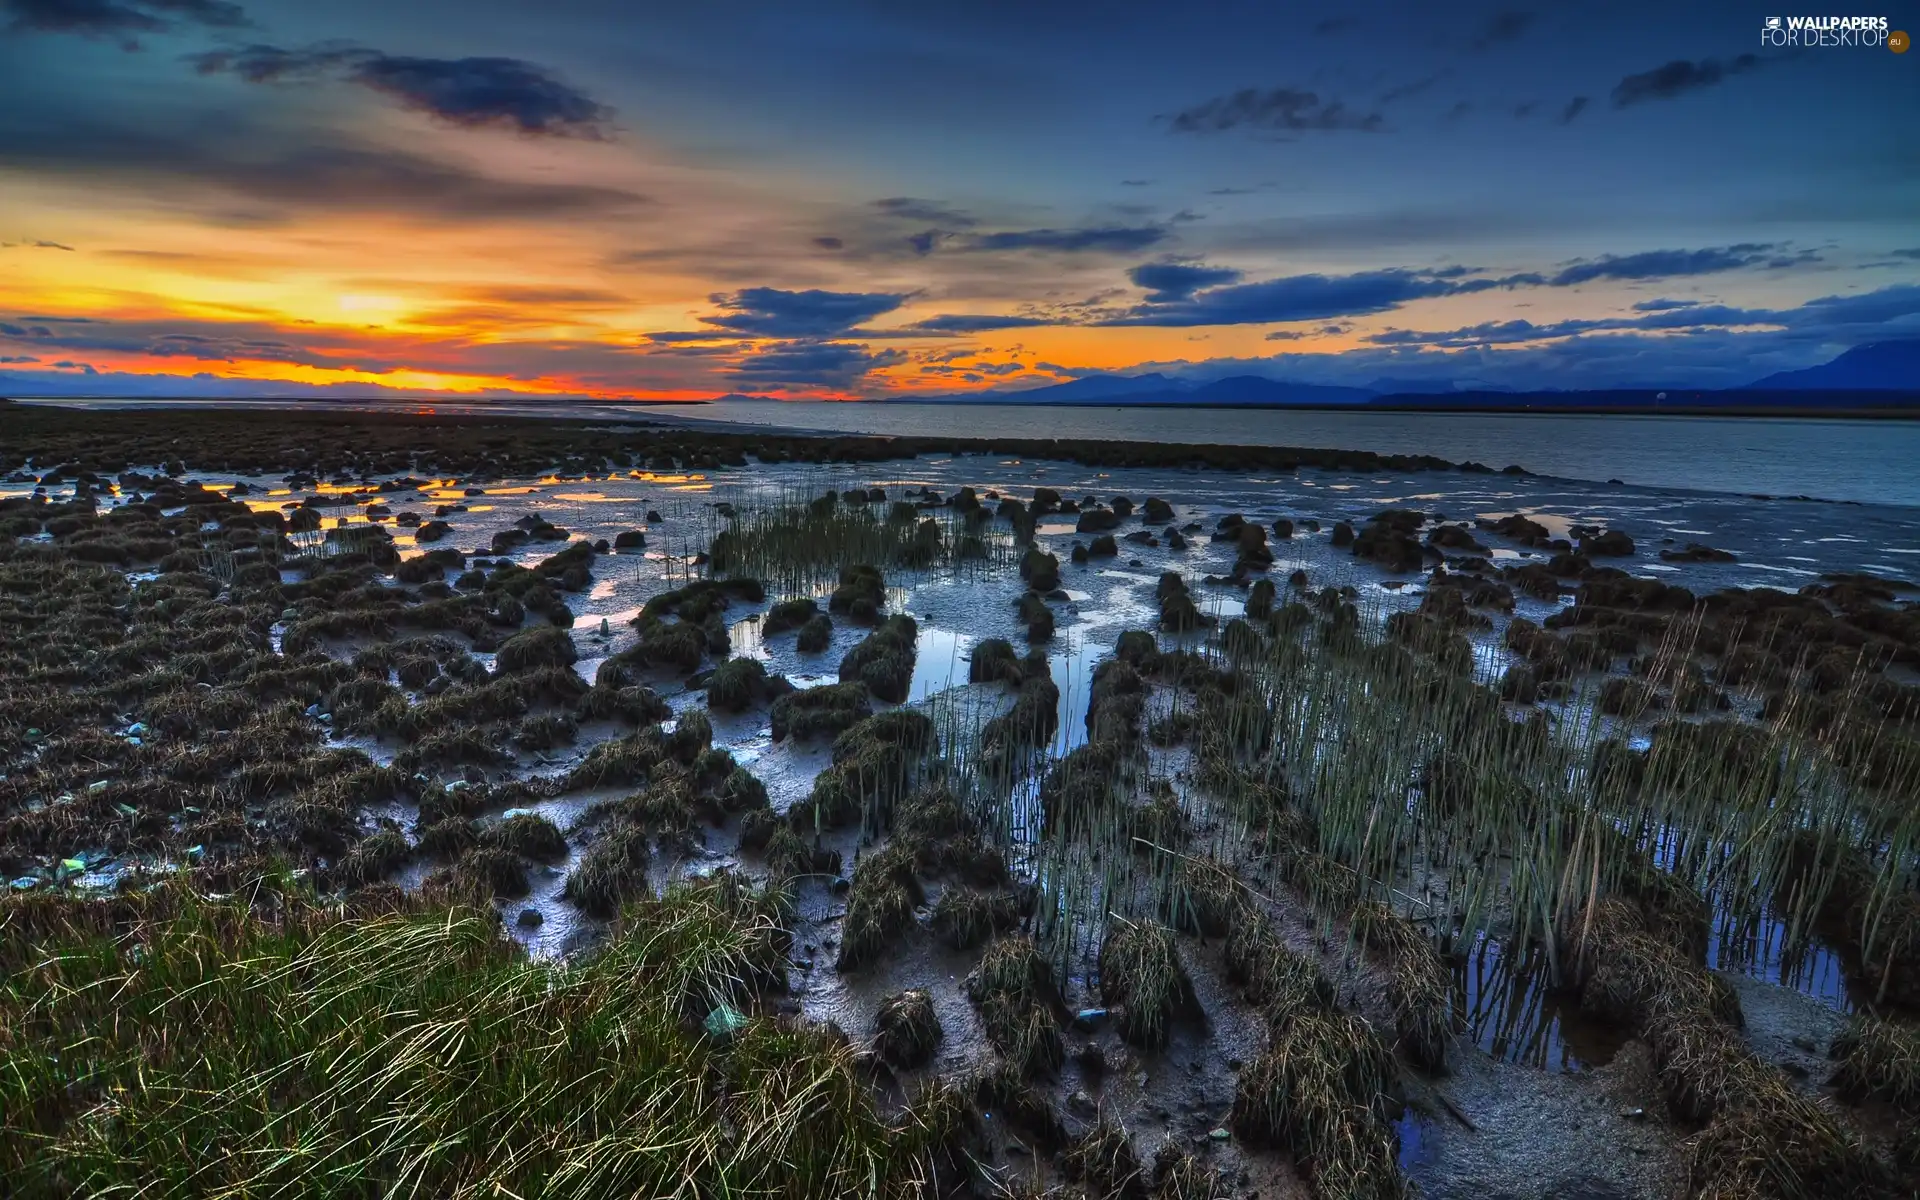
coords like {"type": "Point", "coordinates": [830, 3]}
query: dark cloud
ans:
{"type": "Point", "coordinates": [1335, 25]}
{"type": "Point", "coordinates": [1460, 109]}
{"type": "Point", "coordinates": [33, 245]}
{"type": "Point", "coordinates": [1574, 108]}
{"type": "Point", "coordinates": [1826, 320]}
{"type": "Point", "coordinates": [1135, 182]}
{"type": "Point", "coordinates": [1311, 298]}
{"type": "Point", "coordinates": [473, 92]}
{"type": "Point", "coordinates": [972, 323]}
{"type": "Point", "coordinates": [118, 18]}
{"type": "Point", "coordinates": [811, 364]}
{"type": "Point", "coordinates": [18, 358]}
{"type": "Point", "coordinates": [1679, 77]}
{"type": "Point", "coordinates": [1503, 26]}
{"type": "Point", "coordinates": [236, 173]}
{"type": "Point", "coordinates": [1663, 264]}
{"type": "Point", "coordinates": [1523, 111]}
{"type": "Point", "coordinates": [1109, 238]}
{"type": "Point", "coordinates": [1285, 109]}
{"type": "Point", "coordinates": [772, 313]}
{"type": "Point", "coordinates": [1913, 253]}
{"type": "Point", "coordinates": [975, 371]}
{"type": "Point", "coordinates": [907, 208]}
{"type": "Point", "coordinates": [1167, 283]}
{"type": "Point", "coordinates": [829, 243]}
{"type": "Point", "coordinates": [262, 63]}
{"type": "Point", "coordinates": [468, 92]}
{"type": "Point", "coordinates": [924, 241]}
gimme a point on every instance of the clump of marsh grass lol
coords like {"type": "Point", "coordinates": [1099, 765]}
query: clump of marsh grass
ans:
{"type": "Point", "coordinates": [374, 857]}
{"type": "Point", "coordinates": [1103, 1160]}
{"type": "Point", "coordinates": [541, 646]}
{"type": "Point", "coordinates": [906, 1029]}
{"type": "Point", "coordinates": [966, 917]}
{"type": "Point", "coordinates": [816, 635]}
{"type": "Point", "coordinates": [1040, 569]}
{"type": "Point", "coordinates": [739, 683]}
{"type": "Point", "coordinates": [1036, 616]}
{"type": "Point", "coordinates": [884, 661]}
{"type": "Point", "coordinates": [1019, 1000]}
{"type": "Point", "coordinates": [1010, 742]}
{"type": "Point", "coordinates": [1178, 1175]}
{"type": "Point", "coordinates": [1419, 986]}
{"type": "Point", "coordinates": [1877, 1060]}
{"type": "Point", "coordinates": [491, 870]}
{"type": "Point", "coordinates": [994, 660]}
{"type": "Point", "coordinates": [789, 614]}
{"type": "Point", "coordinates": [789, 856]}
{"type": "Point", "coordinates": [529, 835]}
{"type": "Point", "coordinates": [611, 873]}
{"type": "Point", "coordinates": [1178, 612]}
{"type": "Point", "coordinates": [1789, 1148]}
{"type": "Point", "coordinates": [880, 907]}
{"type": "Point", "coordinates": [875, 763]}
{"type": "Point", "coordinates": [544, 731]}
{"type": "Point", "coordinates": [1275, 978]}
{"type": "Point", "coordinates": [1204, 898]}
{"type": "Point", "coordinates": [827, 709]}
{"type": "Point", "coordinates": [1319, 1092]}
{"type": "Point", "coordinates": [1141, 974]}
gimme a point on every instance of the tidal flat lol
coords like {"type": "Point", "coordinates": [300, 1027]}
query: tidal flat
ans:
{"type": "Point", "coordinates": [541, 808]}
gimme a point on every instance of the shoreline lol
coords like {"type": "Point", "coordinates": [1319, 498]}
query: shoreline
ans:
{"type": "Point", "coordinates": [233, 435]}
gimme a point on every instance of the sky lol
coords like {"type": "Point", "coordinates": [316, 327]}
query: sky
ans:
{"type": "Point", "coordinates": [851, 199]}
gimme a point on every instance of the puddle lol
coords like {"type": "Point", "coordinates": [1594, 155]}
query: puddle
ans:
{"type": "Point", "coordinates": [1418, 1144]}
{"type": "Point", "coordinates": [940, 662]}
{"type": "Point", "coordinates": [1762, 949]}
{"type": "Point", "coordinates": [1509, 1011]}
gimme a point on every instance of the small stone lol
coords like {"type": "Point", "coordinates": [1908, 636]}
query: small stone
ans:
{"type": "Point", "coordinates": [1080, 1102]}
{"type": "Point", "coordinates": [1218, 1135]}
{"type": "Point", "coordinates": [530, 918]}
{"type": "Point", "coordinates": [1634, 1114]}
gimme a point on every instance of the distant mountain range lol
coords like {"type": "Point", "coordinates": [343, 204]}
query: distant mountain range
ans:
{"type": "Point", "coordinates": [1883, 367]}
{"type": "Point", "coordinates": [1892, 366]}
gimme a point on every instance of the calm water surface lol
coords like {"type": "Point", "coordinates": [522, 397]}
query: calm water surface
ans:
{"type": "Point", "coordinates": [1873, 462]}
